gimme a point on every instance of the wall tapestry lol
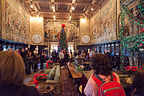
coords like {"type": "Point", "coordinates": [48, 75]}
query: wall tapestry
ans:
{"type": "Point", "coordinates": [15, 22]}
{"type": "Point", "coordinates": [103, 24]}
{"type": "Point", "coordinates": [53, 28]}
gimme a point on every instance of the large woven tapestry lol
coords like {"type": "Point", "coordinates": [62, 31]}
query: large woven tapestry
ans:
{"type": "Point", "coordinates": [103, 24]}
{"type": "Point", "coordinates": [15, 22]}
{"type": "Point", "coordinates": [53, 28]}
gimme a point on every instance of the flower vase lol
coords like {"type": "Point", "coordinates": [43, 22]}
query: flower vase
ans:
{"type": "Point", "coordinates": [41, 84]}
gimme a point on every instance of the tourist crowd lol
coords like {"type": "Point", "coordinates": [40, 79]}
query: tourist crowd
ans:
{"type": "Point", "coordinates": [14, 65]}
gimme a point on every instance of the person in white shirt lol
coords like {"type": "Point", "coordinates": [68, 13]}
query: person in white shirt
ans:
{"type": "Point", "coordinates": [61, 57]}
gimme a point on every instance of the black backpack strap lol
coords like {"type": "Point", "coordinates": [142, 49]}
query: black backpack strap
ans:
{"type": "Point", "coordinates": [99, 78]}
{"type": "Point", "coordinates": [112, 77]}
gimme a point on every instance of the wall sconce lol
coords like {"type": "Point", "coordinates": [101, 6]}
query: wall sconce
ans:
{"type": "Point", "coordinates": [92, 9]}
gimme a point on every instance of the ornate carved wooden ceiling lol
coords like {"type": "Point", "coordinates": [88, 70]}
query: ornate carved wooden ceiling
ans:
{"type": "Point", "coordinates": [62, 9]}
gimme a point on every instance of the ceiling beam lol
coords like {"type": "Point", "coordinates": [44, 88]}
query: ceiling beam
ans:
{"type": "Point", "coordinates": [90, 6]}
{"type": "Point", "coordinates": [53, 4]}
{"type": "Point", "coordinates": [33, 12]}
{"type": "Point", "coordinates": [38, 7]}
{"type": "Point", "coordinates": [61, 17]}
{"type": "Point", "coordinates": [65, 3]}
{"type": "Point", "coordinates": [22, 4]}
{"type": "Point", "coordinates": [27, 6]}
{"type": "Point", "coordinates": [72, 5]}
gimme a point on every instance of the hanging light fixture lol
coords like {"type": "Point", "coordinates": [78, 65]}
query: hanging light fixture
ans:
{"type": "Point", "coordinates": [31, 4]}
{"type": "Point", "coordinates": [92, 9]}
{"type": "Point", "coordinates": [37, 14]}
{"type": "Point", "coordinates": [73, 8]}
{"type": "Point", "coordinates": [53, 6]}
{"type": "Point", "coordinates": [54, 17]}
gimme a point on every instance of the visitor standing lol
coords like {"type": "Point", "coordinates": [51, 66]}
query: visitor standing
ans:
{"type": "Point", "coordinates": [102, 72]}
{"type": "Point", "coordinates": [61, 57]}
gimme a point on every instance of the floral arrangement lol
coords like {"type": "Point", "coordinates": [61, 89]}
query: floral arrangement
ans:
{"type": "Point", "coordinates": [39, 77]}
{"type": "Point", "coordinates": [131, 70]}
{"type": "Point", "coordinates": [49, 62]}
{"type": "Point", "coordinates": [78, 68]}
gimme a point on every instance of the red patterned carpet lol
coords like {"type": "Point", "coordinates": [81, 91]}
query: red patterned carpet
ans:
{"type": "Point", "coordinates": [68, 88]}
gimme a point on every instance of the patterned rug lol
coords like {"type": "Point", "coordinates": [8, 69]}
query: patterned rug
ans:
{"type": "Point", "coordinates": [68, 87]}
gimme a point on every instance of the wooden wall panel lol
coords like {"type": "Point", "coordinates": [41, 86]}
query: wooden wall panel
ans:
{"type": "Point", "coordinates": [0, 18]}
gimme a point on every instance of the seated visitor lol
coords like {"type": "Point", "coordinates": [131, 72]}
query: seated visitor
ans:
{"type": "Point", "coordinates": [12, 73]}
{"type": "Point", "coordinates": [138, 84]}
{"type": "Point", "coordinates": [101, 69]}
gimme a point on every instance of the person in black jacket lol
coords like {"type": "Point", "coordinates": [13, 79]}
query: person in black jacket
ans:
{"type": "Point", "coordinates": [54, 56]}
{"type": "Point", "coordinates": [12, 73]}
{"type": "Point", "coordinates": [42, 59]}
{"type": "Point", "coordinates": [66, 57]}
{"type": "Point", "coordinates": [138, 84]}
{"type": "Point", "coordinates": [29, 58]}
{"type": "Point", "coordinates": [35, 61]}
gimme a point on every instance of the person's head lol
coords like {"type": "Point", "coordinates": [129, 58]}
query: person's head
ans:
{"type": "Point", "coordinates": [26, 48]}
{"type": "Point", "coordinates": [62, 51]}
{"type": "Point", "coordinates": [95, 49]}
{"type": "Point", "coordinates": [22, 50]}
{"type": "Point", "coordinates": [10, 49]}
{"type": "Point", "coordinates": [105, 50]}
{"type": "Point", "coordinates": [101, 64]}
{"type": "Point", "coordinates": [34, 52]}
{"type": "Point", "coordinates": [30, 53]}
{"type": "Point", "coordinates": [138, 83]}
{"type": "Point", "coordinates": [82, 51]}
{"type": "Point", "coordinates": [16, 51]}
{"type": "Point", "coordinates": [77, 51]}
{"type": "Point", "coordinates": [53, 50]}
{"type": "Point", "coordinates": [11, 67]}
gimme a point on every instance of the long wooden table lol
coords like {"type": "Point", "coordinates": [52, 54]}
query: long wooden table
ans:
{"type": "Point", "coordinates": [74, 74]}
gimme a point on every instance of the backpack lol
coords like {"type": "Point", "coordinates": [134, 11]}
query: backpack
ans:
{"type": "Point", "coordinates": [111, 88]}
